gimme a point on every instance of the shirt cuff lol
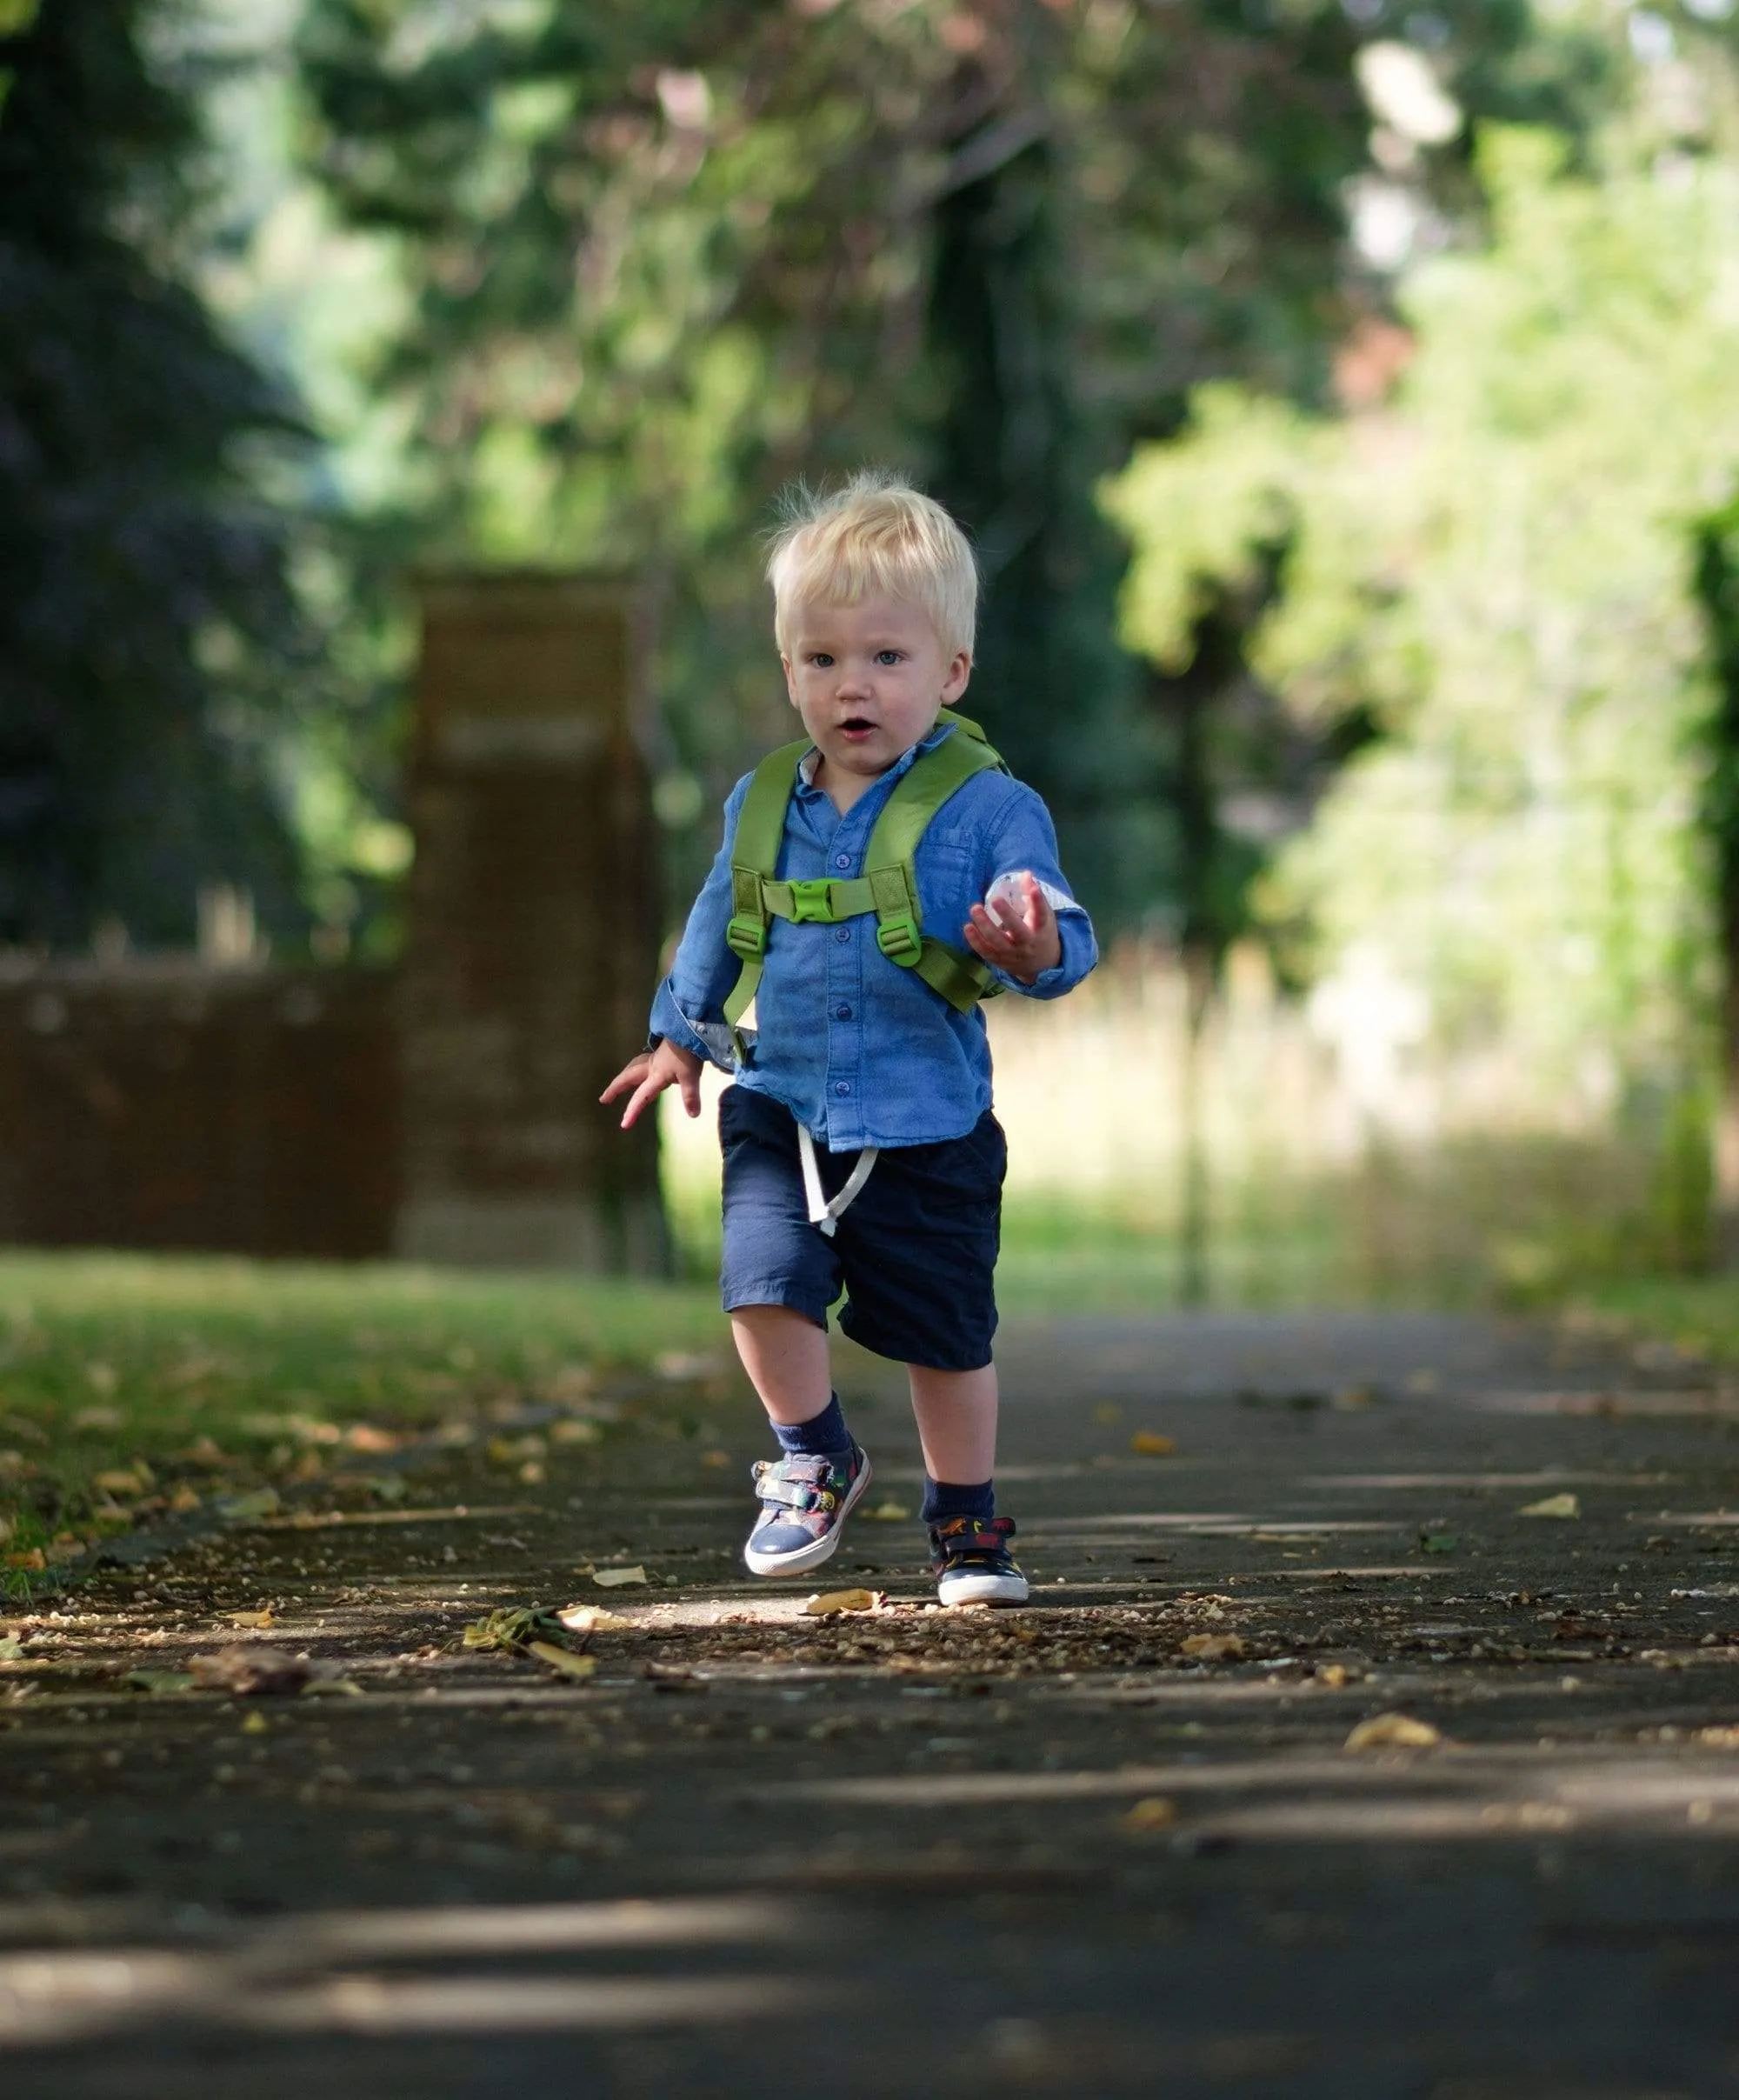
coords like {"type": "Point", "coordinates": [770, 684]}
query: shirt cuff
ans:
{"type": "Point", "coordinates": [1074, 932]}
{"type": "Point", "coordinates": [709, 1039]}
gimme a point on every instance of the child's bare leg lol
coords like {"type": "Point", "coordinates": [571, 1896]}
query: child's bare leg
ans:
{"type": "Point", "coordinates": [956, 1419]}
{"type": "Point", "coordinates": [807, 1492]}
{"type": "Point", "coordinates": [785, 1357]}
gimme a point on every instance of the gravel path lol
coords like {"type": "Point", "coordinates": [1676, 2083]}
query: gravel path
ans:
{"type": "Point", "coordinates": [1115, 1843]}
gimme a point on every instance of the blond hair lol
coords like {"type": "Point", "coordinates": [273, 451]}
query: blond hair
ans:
{"type": "Point", "coordinates": [875, 534]}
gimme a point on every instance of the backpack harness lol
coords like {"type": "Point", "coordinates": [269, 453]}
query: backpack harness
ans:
{"type": "Point", "coordinates": [888, 888]}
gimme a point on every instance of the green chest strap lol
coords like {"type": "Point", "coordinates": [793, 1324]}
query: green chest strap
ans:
{"type": "Point", "coordinates": [888, 887]}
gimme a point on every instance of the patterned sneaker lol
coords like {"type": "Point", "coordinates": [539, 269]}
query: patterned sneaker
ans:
{"type": "Point", "coordinates": [973, 1564]}
{"type": "Point", "coordinates": [803, 1503]}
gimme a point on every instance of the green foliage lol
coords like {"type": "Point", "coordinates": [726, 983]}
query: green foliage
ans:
{"type": "Point", "coordinates": [662, 258]}
{"type": "Point", "coordinates": [1497, 566]}
{"type": "Point", "coordinates": [150, 648]}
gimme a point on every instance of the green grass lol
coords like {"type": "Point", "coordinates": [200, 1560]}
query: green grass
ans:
{"type": "Point", "coordinates": [121, 1364]}
{"type": "Point", "coordinates": [1699, 1315]}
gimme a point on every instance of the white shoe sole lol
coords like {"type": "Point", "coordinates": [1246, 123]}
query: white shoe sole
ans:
{"type": "Point", "coordinates": [984, 1589]}
{"type": "Point", "coordinates": [824, 1548]}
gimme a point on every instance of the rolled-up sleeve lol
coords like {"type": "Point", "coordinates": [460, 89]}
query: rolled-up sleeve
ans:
{"type": "Point", "coordinates": [1025, 839]}
{"type": "Point", "coordinates": [688, 1007]}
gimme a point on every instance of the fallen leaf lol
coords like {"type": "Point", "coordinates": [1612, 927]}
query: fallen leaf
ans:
{"type": "Point", "coordinates": [576, 1431]}
{"type": "Point", "coordinates": [256, 1725]}
{"type": "Point", "coordinates": [592, 1618]}
{"type": "Point", "coordinates": [1393, 1731]}
{"type": "Point", "coordinates": [679, 1366]}
{"type": "Point", "coordinates": [366, 1437]}
{"type": "Point", "coordinates": [1553, 1505]}
{"type": "Point", "coordinates": [248, 1509]}
{"type": "Point", "coordinates": [531, 1473]}
{"type": "Point", "coordinates": [826, 1603]}
{"type": "Point", "coordinates": [11, 1649]}
{"type": "Point", "coordinates": [346, 1688]}
{"type": "Point", "coordinates": [1152, 1812]}
{"type": "Point", "coordinates": [121, 1480]}
{"type": "Point", "coordinates": [1150, 1444]}
{"type": "Point", "coordinates": [887, 1512]}
{"type": "Point", "coordinates": [257, 1620]}
{"type": "Point", "coordinates": [159, 1680]}
{"type": "Point", "coordinates": [1334, 1675]}
{"type": "Point", "coordinates": [250, 1672]}
{"type": "Point", "coordinates": [185, 1500]}
{"type": "Point", "coordinates": [512, 1451]}
{"type": "Point", "coordinates": [513, 1627]}
{"type": "Point", "coordinates": [617, 1578]}
{"type": "Point", "coordinates": [1437, 1542]}
{"type": "Point", "coordinates": [1217, 1647]}
{"type": "Point", "coordinates": [33, 1560]}
{"type": "Point", "coordinates": [562, 1659]}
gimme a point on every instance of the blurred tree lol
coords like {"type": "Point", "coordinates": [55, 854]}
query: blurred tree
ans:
{"type": "Point", "coordinates": [1717, 583]}
{"type": "Point", "coordinates": [148, 641]}
{"type": "Point", "coordinates": [665, 255]}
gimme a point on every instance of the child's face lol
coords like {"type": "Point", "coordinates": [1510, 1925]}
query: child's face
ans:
{"type": "Point", "coordinates": [868, 680]}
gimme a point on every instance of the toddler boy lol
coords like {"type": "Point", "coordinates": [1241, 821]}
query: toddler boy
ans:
{"type": "Point", "coordinates": [877, 881]}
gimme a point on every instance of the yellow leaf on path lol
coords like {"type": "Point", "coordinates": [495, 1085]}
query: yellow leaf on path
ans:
{"type": "Point", "coordinates": [1152, 1812]}
{"type": "Point", "coordinates": [256, 1725]}
{"type": "Point", "coordinates": [828, 1601]}
{"type": "Point", "coordinates": [345, 1688]}
{"type": "Point", "coordinates": [1393, 1731]}
{"type": "Point", "coordinates": [888, 1513]}
{"type": "Point", "coordinates": [259, 1620]}
{"type": "Point", "coordinates": [1553, 1505]}
{"type": "Point", "coordinates": [576, 1431]}
{"type": "Point", "coordinates": [593, 1618]}
{"type": "Point", "coordinates": [1334, 1675]}
{"type": "Point", "coordinates": [1216, 1647]}
{"type": "Point", "coordinates": [617, 1578]}
{"type": "Point", "coordinates": [1151, 1445]}
{"type": "Point", "coordinates": [561, 1660]}
{"type": "Point", "coordinates": [121, 1480]}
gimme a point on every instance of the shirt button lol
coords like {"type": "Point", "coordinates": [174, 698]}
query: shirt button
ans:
{"type": "Point", "coordinates": [842, 934]}
{"type": "Point", "coordinates": [842, 1013]}
{"type": "Point", "coordinates": [842, 1086]}
{"type": "Point", "coordinates": [842, 860]}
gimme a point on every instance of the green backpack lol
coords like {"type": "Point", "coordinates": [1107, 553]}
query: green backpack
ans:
{"type": "Point", "coordinates": [888, 887]}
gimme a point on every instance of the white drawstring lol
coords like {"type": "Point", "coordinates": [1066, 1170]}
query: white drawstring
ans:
{"type": "Point", "coordinates": [823, 1213]}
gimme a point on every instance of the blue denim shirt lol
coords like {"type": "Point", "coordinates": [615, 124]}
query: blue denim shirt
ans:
{"type": "Point", "coordinates": [860, 1050]}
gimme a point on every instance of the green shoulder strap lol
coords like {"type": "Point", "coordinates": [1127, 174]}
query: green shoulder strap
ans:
{"type": "Point", "coordinates": [755, 859]}
{"type": "Point", "coordinates": [952, 973]}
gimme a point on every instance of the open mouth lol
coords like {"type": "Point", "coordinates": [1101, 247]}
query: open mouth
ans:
{"type": "Point", "coordinates": [856, 725]}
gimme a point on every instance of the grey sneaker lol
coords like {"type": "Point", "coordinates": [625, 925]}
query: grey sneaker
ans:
{"type": "Point", "coordinates": [804, 1500]}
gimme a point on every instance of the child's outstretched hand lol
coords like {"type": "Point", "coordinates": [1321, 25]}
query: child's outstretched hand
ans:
{"type": "Point", "coordinates": [1022, 938]}
{"type": "Point", "coordinates": [650, 1073]}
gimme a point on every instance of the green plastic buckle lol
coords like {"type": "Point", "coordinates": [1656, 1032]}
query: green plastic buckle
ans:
{"type": "Point", "coordinates": [747, 937]}
{"type": "Point", "coordinates": [812, 900]}
{"type": "Point", "coordinates": [900, 940]}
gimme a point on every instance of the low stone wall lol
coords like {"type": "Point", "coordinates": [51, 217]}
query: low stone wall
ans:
{"type": "Point", "coordinates": [170, 1104]}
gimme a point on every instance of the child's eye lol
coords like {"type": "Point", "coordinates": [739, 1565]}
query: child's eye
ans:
{"type": "Point", "coordinates": [887, 655]}
{"type": "Point", "coordinates": [821, 660]}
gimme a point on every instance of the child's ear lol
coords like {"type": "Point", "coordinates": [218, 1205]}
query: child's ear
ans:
{"type": "Point", "coordinates": [790, 683]}
{"type": "Point", "coordinates": [959, 677]}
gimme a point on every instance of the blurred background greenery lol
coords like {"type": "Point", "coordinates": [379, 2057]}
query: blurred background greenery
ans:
{"type": "Point", "coordinates": [1339, 393]}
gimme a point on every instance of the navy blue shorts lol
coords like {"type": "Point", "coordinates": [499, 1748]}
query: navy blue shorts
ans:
{"type": "Point", "coordinates": [916, 1253]}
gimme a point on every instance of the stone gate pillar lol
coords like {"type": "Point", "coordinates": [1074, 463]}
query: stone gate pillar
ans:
{"type": "Point", "coordinates": [531, 947]}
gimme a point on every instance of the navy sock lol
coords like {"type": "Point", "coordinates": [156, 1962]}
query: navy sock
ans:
{"type": "Point", "coordinates": [942, 1500]}
{"type": "Point", "coordinates": [823, 1435]}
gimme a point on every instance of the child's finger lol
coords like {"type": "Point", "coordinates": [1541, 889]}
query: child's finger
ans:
{"type": "Point", "coordinates": [649, 1091]}
{"type": "Point", "coordinates": [628, 1075]}
{"type": "Point", "coordinates": [690, 1084]}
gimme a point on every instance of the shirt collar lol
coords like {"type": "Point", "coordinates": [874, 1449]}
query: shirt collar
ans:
{"type": "Point", "coordinates": [904, 764]}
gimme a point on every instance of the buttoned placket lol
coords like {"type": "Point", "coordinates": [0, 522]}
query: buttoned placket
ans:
{"type": "Point", "coordinates": [844, 840]}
